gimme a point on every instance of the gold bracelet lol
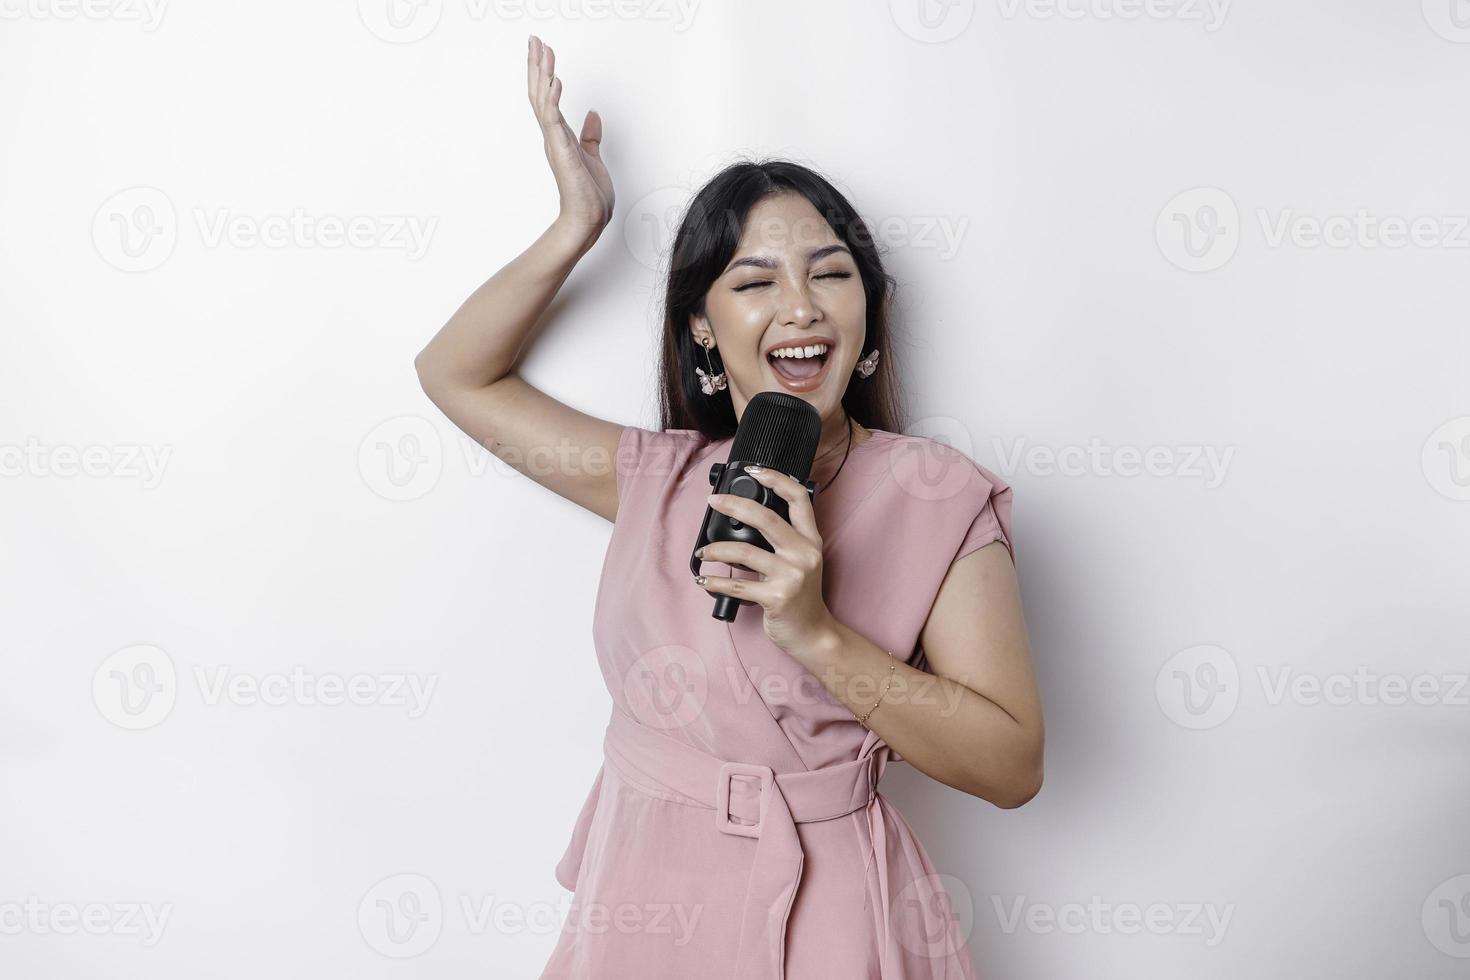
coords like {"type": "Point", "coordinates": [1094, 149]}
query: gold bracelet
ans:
{"type": "Point", "coordinates": [891, 668]}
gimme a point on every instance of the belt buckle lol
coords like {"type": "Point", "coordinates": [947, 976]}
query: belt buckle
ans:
{"type": "Point", "coordinates": [722, 797]}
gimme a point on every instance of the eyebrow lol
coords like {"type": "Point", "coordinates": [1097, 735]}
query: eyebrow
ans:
{"type": "Point", "coordinates": [766, 262]}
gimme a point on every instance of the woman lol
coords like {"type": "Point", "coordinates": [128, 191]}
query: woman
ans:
{"type": "Point", "coordinates": [885, 623]}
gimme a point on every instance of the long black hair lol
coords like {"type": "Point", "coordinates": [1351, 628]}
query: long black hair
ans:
{"type": "Point", "coordinates": [708, 235]}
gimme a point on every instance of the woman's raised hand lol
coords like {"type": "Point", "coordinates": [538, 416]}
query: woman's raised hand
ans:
{"type": "Point", "coordinates": [581, 178]}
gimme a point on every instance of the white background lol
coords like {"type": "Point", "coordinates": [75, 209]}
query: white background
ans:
{"type": "Point", "coordinates": [1047, 181]}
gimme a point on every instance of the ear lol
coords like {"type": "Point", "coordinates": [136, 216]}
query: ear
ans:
{"type": "Point", "coordinates": [700, 328]}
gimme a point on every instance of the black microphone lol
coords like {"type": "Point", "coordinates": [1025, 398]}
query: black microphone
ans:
{"type": "Point", "coordinates": [777, 431]}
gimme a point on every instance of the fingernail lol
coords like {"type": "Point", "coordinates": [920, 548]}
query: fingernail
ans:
{"type": "Point", "coordinates": [752, 468]}
{"type": "Point", "coordinates": [698, 552]}
{"type": "Point", "coordinates": [699, 580]}
{"type": "Point", "coordinates": [712, 498]}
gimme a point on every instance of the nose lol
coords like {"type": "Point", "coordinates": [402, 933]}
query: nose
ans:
{"type": "Point", "coordinates": [797, 308]}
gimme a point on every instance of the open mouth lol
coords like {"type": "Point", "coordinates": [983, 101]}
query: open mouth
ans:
{"type": "Point", "coordinates": [800, 368]}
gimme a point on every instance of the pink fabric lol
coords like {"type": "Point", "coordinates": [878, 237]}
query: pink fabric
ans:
{"type": "Point", "coordinates": [734, 829]}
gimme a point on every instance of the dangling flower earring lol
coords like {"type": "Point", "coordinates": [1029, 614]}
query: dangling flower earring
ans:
{"type": "Point", "coordinates": [712, 382]}
{"type": "Point", "coordinates": [868, 365]}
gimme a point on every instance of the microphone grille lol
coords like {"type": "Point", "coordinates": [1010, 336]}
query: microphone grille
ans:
{"type": "Point", "coordinates": [780, 431]}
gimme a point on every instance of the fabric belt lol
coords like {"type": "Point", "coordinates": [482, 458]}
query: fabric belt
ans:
{"type": "Point", "coordinates": [769, 804]}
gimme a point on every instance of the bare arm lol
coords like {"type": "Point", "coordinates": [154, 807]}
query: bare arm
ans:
{"type": "Point", "coordinates": [975, 638]}
{"type": "Point", "coordinates": [973, 720]}
{"type": "Point", "coordinates": [467, 369]}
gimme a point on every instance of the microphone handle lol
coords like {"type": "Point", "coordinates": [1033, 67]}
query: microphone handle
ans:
{"type": "Point", "coordinates": [726, 606]}
{"type": "Point", "coordinates": [726, 478]}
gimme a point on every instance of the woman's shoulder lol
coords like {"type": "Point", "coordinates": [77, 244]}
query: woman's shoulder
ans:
{"type": "Point", "coordinates": [938, 461]}
{"type": "Point", "coordinates": [945, 489]}
{"type": "Point", "coordinates": [655, 452]}
{"type": "Point", "coordinates": [637, 441]}
{"type": "Point", "coordinates": [639, 437]}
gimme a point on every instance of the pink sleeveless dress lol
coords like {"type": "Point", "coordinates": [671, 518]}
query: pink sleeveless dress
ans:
{"type": "Point", "coordinates": [734, 830]}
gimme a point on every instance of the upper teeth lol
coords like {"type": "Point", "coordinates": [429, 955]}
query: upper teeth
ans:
{"type": "Point", "coordinates": [810, 351]}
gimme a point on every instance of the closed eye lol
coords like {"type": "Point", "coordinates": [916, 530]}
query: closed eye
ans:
{"type": "Point", "coordinates": [766, 282]}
